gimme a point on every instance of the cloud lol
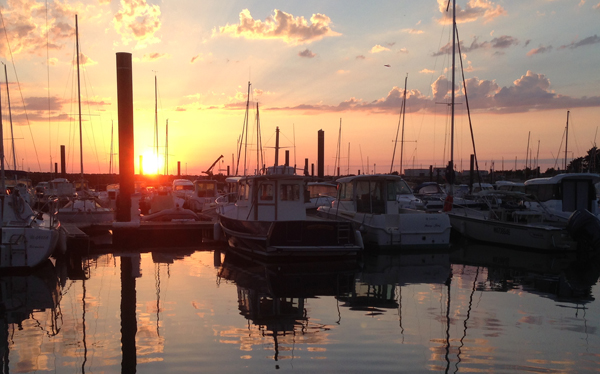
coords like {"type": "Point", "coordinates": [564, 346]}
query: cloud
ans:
{"type": "Point", "coordinates": [540, 50]}
{"type": "Point", "coordinates": [502, 42]}
{"type": "Point", "coordinates": [584, 42]}
{"type": "Point", "coordinates": [137, 21]}
{"type": "Point", "coordinates": [22, 20]}
{"type": "Point", "coordinates": [596, 7]}
{"type": "Point", "coordinates": [403, 50]}
{"type": "Point", "coordinates": [360, 57]}
{"type": "Point", "coordinates": [283, 26]}
{"type": "Point", "coordinates": [306, 53]}
{"type": "Point", "coordinates": [413, 31]}
{"type": "Point", "coordinates": [474, 10]}
{"type": "Point", "coordinates": [378, 48]}
{"type": "Point", "coordinates": [200, 57]}
{"type": "Point", "coordinates": [343, 71]}
{"type": "Point", "coordinates": [530, 92]}
{"type": "Point", "coordinates": [85, 60]}
{"type": "Point", "coordinates": [155, 56]}
{"type": "Point", "coordinates": [427, 71]}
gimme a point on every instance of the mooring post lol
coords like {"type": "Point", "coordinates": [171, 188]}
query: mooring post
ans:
{"type": "Point", "coordinates": [125, 115]}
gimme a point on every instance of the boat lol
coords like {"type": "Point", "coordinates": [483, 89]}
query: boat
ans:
{"type": "Point", "coordinates": [266, 218]}
{"type": "Point", "coordinates": [374, 204]}
{"type": "Point", "coordinates": [181, 190]}
{"type": "Point", "coordinates": [204, 195]}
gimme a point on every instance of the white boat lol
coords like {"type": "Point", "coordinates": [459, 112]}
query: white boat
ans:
{"type": "Point", "coordinates": [268, 219]}
{"type": "Point", "coordinates": [84, 210]}
{"type": "Point", "coordinates": [512, 223]}
{"type": "Point", "coordinates": [28, 238]}
{"type": "Point", "coordinates": [203, 196]}
{"type": "Point", "coordinates": [374, 204]}
{"type": "Point", "coordinates": [181, 190]}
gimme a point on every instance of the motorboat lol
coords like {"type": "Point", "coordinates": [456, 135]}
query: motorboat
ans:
{"type": "Point", "coordinates": [181, 190]}
{"type": "Point", "coordinates": [203, 197]}
{"type": "Point", "coordinates": [432, 195]}
{"type": "Point", "coordinates": [511, 222]}
{"type": "Point", "coordinates": [266, 218]}
{"type": "Point", "coordinates": [374, 203]}
{"type": "Point", "coordinates": [84, 210]}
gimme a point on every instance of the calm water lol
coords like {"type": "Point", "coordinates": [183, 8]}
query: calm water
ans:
{"type": "Point", "coordinates": [476, 309]}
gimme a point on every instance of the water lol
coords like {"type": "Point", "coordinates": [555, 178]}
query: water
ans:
{"type": "Point", "coordinates": [476, 309]}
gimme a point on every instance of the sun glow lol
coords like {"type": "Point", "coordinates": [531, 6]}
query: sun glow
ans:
{"type": "Point", "coordinates": [151, 163]}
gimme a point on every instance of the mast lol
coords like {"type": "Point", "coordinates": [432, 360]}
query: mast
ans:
{"type": "Point", "coordinates": [277, 146]}
{"type": "Point", "coordinates": [156, 121]}
{"type": "Point", "coordinates": [566, 140]}
{"type": "Point", "coordinates": [79, 99]}
{"type": "Point", "coordinates": [403, 117]}
{"type": "Point", "coordinates": [167, 149]}
{"type": "Point", "coordinates": [10, 119]}
{"type": "Point", "coordinates": [112, 129]}
{"type": "Point", "coordinates": [451, 189]}
{"type": "Point", "coordinates": [2, 184]}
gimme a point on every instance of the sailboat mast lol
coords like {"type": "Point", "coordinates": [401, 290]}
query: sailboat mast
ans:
{"type": "Point", "coordinates": [451, 189]}
{"type": "Point", "coordinates": [566, 140]}
{"type": "Point", "coordinates": [167, 149]}
{"type": "Point", "coordinates": [156, 121]}
{"type": "Point", "coordinates": [403, 117]}
{"type": "Point", "coordinates": [2, 185]}
{"type": "Point", "coordinates": [79, 98]}
{"type": "Point", "coordinates": [112, 130]}
{"type": "Point", "coordinates": [10, 119]}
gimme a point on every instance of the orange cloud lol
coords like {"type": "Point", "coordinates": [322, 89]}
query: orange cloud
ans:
{"type": "Point", "coordinates": [155, 56]}
{"type": "Point", "coordinates": [283, 26]}
{"type": "Point", "coordinates": [137, 21]}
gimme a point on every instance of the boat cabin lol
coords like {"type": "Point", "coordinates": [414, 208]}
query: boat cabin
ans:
{"type": "Point", "coordinates": [565, 193]}
{"type": "Point", "coordinates": [271, 197]}
{"type": "Point", "coordinates": [373, 194]}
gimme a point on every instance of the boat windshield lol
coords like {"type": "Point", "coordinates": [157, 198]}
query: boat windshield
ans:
{"type": "Point", "coordinates": [397, 187]}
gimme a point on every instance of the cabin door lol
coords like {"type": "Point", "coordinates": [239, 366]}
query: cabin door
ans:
{"type": "Point", "coordinates": [576, 195]}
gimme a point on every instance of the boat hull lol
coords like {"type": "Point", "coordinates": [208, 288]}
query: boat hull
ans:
{"type": "Point", "coordinates": [26, 247]}
{"type": "Point", "coordinates": [398, 231]}
{"type": "Point", "coordinates": [540, 237]}
{"type": "Point", "coordinates": [303, 238]}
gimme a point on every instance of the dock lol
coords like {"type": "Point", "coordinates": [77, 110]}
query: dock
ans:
{"type": "Point", "coordinates": [144, 235]}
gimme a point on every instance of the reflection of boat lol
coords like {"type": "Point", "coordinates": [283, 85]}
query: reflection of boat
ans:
{"type": "Point", "coordinates": [273, 297]}
{"type": "Point", "coordinates": [375, 204]}
{"type": "Point", "coordinates": [268, 218]}
{"type": "Point", "coordinates": [555, 275]}
{"type": "Point", "coordinates": [383, 276]}
{"type": "Point", "coordinates": [21, 296]}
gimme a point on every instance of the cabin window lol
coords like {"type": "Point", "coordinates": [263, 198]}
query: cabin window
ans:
{"type": "Point", "coordinates": [289, 192]}
{"type": "Point", "coordinates": [543, 192]}
{"type": "Point", "coordinates": [205, 189]}
{"type": "Point", "coordinates": [346, 192]}
{"type": "Point", "coordinates": [266, 191]}
{"type": "Point", "coordinates": [244, 191]}
{"type": "Point", "coordinates": [395, 188]}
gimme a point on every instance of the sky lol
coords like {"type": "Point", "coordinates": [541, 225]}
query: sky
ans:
{"type": "Point", "coordinates": [336, 66]}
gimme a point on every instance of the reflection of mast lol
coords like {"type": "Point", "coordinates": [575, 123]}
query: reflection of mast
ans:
{"type": "Point", "coordinates": [83, 325]}
{"type": "Point", "coordinates": [462, 340]}
{"type": "Point", "coordinates": [158, 299]}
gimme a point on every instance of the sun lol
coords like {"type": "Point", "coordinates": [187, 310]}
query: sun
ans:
{"type": "Point", "coordinates": [150, 163]}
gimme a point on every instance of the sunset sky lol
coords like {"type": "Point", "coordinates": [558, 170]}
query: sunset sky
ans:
{"type": "Point", "coordinates": [312, 64]}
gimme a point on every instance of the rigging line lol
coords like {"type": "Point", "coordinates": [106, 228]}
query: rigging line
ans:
{"type": "Point", "coordinates": [20, 91]}
{"type": "Point", "coordinates": [398, 131]}
{"type": "Point", "coordinates": [467, 105]}
{"type": "Point", "coordinates": [95, 147]}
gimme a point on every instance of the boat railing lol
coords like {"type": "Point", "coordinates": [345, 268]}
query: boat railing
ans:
{"type": "Point", "coordinates": [224, 199]}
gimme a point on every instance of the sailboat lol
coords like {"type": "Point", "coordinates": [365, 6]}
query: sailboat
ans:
{"type": "Point", "coordinates": [28, 238]}
{"type": "Point", "coordinates": [84, 209]}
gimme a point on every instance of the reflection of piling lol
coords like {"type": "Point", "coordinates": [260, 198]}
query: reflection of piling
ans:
{"type": "Point", "coordinates": [321, 155]}
{"type": "Point", "coordinates": [125, 108]}
{"type": "Point", "coordinates": [128, 317]}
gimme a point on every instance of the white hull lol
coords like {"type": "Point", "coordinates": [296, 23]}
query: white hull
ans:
{"type": "Point", "coordinates": [540, 237]}
{"type": "Point", "coordinates": [26, 246]}
{"type": "Point", "coordinates": [404, 230]}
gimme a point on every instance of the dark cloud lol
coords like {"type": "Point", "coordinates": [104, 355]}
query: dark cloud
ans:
{"type": "Point", "coordinates": [306, 53]}
{"type": "Point", "coordinates": [501, 42]}
{"type": "Point", "coordinates": [590, 40]}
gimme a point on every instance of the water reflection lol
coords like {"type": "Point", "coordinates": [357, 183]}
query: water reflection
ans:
{"type": "Point", "coordinates": [273, 297]}
{"type": "Point", "coordinates": [478, 308]}
{"type": "Point", "coordinates": [24, 300]}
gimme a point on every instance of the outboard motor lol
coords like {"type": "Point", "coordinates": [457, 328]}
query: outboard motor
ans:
{"type": "Point", "coordinates": [583, 225]}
